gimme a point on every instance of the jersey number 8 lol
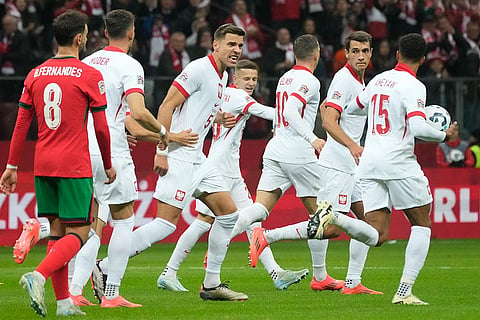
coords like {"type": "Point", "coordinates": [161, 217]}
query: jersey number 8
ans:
{"type": "Point", "coordinates": [52, 96]}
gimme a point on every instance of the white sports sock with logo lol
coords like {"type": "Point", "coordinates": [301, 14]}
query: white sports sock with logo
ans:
{"type": "Point", "coordinates": [318, 250]}
{"type": "Point", "coordinates": [184, 244]}
{"type": "Point", "coordinates": [291, 232]}
{"type": "Point", "coordinates": [356, 229]}
{"type": "Point", "coordinates": [218, 242]}
{"type": "Point", "coordinates": [254, 213]}
{"type": "Point", "coordinates": [358, 256]}
{"type": "Point", "coordinates": [84, 263]}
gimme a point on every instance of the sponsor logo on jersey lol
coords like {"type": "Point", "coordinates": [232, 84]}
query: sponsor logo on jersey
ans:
{"type": "Point", "coordinates": [303, 89]}
{"type": "Point", "coordinates": [336, 95]}
{"type": "Point", "coordinates": [140, 80]}
{"type": "Point", "coordinates": [342, 199]}
{"type": "Point", "coordinates": [101, 86]}
{"type": "Point", "coordinates": [183, 77]}
{"type": "Point", "coordinates": [180, 195]}
{"type": "Point", "coordinates": [420, 103]}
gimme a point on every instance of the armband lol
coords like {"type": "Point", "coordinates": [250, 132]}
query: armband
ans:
{"type": "Point", "coordinates": [161, 152]}
{"type": "Point", "coordinates": [11, 166]}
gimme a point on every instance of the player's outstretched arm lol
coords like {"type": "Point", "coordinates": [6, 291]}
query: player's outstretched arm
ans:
{"type": "Point", "coordinates": [136, 103]}
{"type": "Point", "coordinates": [421, 130]}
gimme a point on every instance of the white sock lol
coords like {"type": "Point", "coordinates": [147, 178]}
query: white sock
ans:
{"type": "Point", "coordinates": [247, 216]}
{"type": "Point", "coordinates": [71, 269]}
{"type": "Point", "coordinates": [64, 303]}
{"type": "Point", "coordinates": [266, 258]}
{"type": "Point", "coordinates": [111, 291]}
{"type": "Point", "coordinates": [119, 249]}
{"type": "Point", "coordinates": [150, 233]}
{"type": "Point", "coordinates": [218, 242]}
{"type": "Point", "coordinates": [318, 250]}
{"type": "Point", "coordinates": [44, 230]}
{"type": "Point", "coordinates": [184, 244]}
{"type": "Point", "coordinates": [291, 232]}
{"type": "Point", "coordinates": [356, 229]}
{"type": "Point", "coordinates": [84, 263]}
{"type": "Point", "coordinates": [358, 256]}
{"type": "Point", "coordinates": [415, 255]}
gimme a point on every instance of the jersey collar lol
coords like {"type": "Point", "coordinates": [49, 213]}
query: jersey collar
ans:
{"type": "Point", "coordinates": [403, 67]}
{"type": "Point", "coordinates": [232, 86]}
{"type": "Point", "coordinates": [297, 67]}
{"type": "Point", "coordinates": [349, 68]}
{"type": "Point", "coordinates": [115, 49]}
{"type": "Point", "coordinates": [212, 61]}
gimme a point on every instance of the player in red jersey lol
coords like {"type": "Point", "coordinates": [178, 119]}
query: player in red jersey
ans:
{"type": "Point", "coordinates": [60, 92]}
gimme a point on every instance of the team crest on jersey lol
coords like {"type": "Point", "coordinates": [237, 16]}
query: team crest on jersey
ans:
{"type": "Point", "coordinates": [101, 86]}
{"type": "Point", "coordinates": [342, 199]}
{"type": "Point", "coordinates": [248, 98]}
{"type": "Point", "coordinates": [183, 77]}
{"type": "Point", "coordinates": [140, 80]}
{"type": "Point", "coordinates": [336, 95]}
{"type": "Point", "coordinates": [180, 195]}
{"type": "Point", "coordinates": [220, 91]}
{"type": "Point", "coordinates": [420, 103]}
{"type": "Point", "coordinates": [303, 89]}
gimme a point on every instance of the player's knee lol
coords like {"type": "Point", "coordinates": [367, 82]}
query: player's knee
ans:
{"type": "Point", "coordinates": [332, 232]}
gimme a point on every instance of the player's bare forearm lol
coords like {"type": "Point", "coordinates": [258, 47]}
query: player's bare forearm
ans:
{"type": "Point", "coordinates": [140, 132]}
{"type": "Point", "coordinates": [8, 182]}
{"type": "Point", "coordinates": [138, 112]}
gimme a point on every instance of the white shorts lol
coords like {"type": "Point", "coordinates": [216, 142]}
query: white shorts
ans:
{"type": "Point", "coordinates": [239, 192]}
{"type": "Point", "coordinates": [185, 178]}
{"type": "Point", "coordinates": [122, 190]}
{"type": "Point", "coordinates": [337, 187]}
{"type": "Point", "coordinates": [357, 192]}
{"type": "Point", "coordinates": [103, 212]}
{"type": "Point", "coordinates": [279, 175]}
{"type": "Point", "coordinates": [401, 193]}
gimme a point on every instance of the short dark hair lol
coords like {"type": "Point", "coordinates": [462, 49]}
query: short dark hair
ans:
{"type": "Point", "coordinates": [224, 29]}
{"type": "Point", "coordinates": [360, 36]}
{"type": "Point", "coordinates": [412, 47]}
{"type": "Point", "coordinates": [305, 45]}
{"type": "Point", "coordinates": [118, 22]}
{"type": "Point", "coordinates": [246, 64]}
{"type": "Point", "coordinates": [67, 25]}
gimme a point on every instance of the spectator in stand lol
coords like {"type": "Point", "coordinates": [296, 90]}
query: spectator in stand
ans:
{"type": "Point", "coordinates": [402, 17]}
{"type": "Point", "coordinates": [308, 27]}
{"type": "Point", "coordinates": [358, 15]}
{"type": "Point", "coordinates": [331, 25]}
{"type": "Point", "coordinates": [189, 16]}
{"type": "Point", "coordinates": [203, 46]}
{"type": "Point", "coordinates": [384, 57]}
{"type": "Point", "coordinates": [280, 60]}
{"type": "Point", "coordinates": [172, 61]}
{"type": "Point", "coordinates": [254, 39]}
{"type": "Point", "coordinates": [450, 40]}
{"type": "Point", "coordinates": [15, 54]}
{"type": "Point", "coordinates": [159, 37]}
{"type": "Point", "coordinates": [458, 14]}
{"type": "Point", "coordinates": [432, 36]}
{"type": "Point", "coordinates": [285, 14]}
{"type": "Point", "coordinates": [455, 153]}
{"type": "Point", "coordinates": [475, 146]}
{"type": "Point", "coordinates": [377, 20]}
{"type": "Point", "coordinates": [439, 92]}
{"type": "Point", "coordinates": [471, 56]}
{"type": "Point", "coordinates": [167, 8]}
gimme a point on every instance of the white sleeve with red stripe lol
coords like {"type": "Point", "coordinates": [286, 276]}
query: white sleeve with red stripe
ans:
{"type": "Point", "coordinates": [293, 107]}
{"type": "Point", "coordinates": [421, 130]}
{"type": "Point", "coordinates": [189, 80]}
{"type": "Point", "coordinates": [356, 106]}
{"type": "Point", "coordinates": [134, 79]}
{"type": "Point", "coordinates": [260, 110]}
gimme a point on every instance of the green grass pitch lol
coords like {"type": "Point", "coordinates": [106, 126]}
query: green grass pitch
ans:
{"type": "Point", "coordinates": [449, 281]}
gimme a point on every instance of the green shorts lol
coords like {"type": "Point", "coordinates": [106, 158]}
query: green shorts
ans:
{"type": "Point", "coordinates": [69, 199]}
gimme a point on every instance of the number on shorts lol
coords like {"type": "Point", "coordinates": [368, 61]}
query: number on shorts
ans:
{"type": "Point", "coordinates": [52, 96]}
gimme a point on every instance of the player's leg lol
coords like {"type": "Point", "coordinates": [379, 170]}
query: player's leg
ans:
{"type": "Point", "coordinates": [222, 205]}
{"type": "Point", "coordinates": [84, 261]}
{"type": "Point", "coordinates": [413, 196]}
{"type": "Point", "coordinates": [33, 230]}
{"type": "Point", "coordinates": [168, 280]}
{"type": "Point", "coordinates": [358, 255]}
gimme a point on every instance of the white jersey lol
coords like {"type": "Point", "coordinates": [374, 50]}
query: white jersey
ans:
{"type": "Point", "coordinates": [288, 145]}
{"type": "Point", "coordinates": [225, 150]}
{"type": "Point", "coordinates": [123, 75]}
{"type": "Point", "coordinates": [202, 85]}
{"type": "Point", "coordinates": [391, 98]}
{"type": "Point", "coordinates": [344, 88]}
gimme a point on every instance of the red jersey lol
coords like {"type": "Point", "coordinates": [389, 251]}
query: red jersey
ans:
{"type": "Point", "coordinates": [61, 92]}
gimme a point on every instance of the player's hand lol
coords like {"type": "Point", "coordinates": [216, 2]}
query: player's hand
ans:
{"type": "Point", "coordinates": [8, 182]}
{"type": "Point", "coordinates": [132, 142]}
{"type": "Point", "coordinates": [318, 144]}
{"type": "Point", "coordinates": [160, 165]}
{"type": "Point", "coordinates": [185, 138]}
{"type": "Point", "coordinates": [452, 131]}
{"type": "Point", "coordinates": [228, 120]}
{"type": "Point", "coordinates": [356, 152]}
{"type": "Point", "coordinates": [111, 175]}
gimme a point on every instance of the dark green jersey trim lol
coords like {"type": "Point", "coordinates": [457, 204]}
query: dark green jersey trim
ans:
{"type": "Point", "coordinates": [25, 106]}
{"type": "Point", "coordinates": [97, 109]}
{"type": "Point", "coordinates": [66, 57]}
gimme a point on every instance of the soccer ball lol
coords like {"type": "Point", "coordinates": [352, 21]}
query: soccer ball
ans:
{"type": "Point", "coordinates": [437, 117]}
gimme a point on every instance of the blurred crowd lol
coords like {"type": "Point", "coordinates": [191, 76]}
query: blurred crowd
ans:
{"type": "Point", "coordinates": [170, 33]}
